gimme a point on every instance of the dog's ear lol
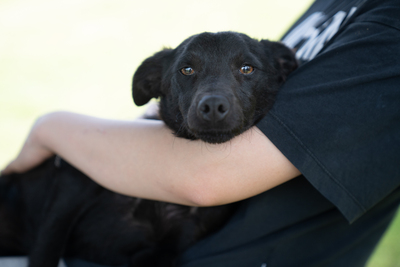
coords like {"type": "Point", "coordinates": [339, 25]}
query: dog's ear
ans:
{"type": "Point", "coordinates": [146, 82]}
{"type": "Point", "coordinates": [284, 58]}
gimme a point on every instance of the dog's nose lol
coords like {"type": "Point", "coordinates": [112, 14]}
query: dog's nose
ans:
{"type": "Point", "coordinates": [213, 108]}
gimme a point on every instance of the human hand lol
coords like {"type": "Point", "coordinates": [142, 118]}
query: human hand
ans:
{"type": "Point", "coordinates": [32, 153]}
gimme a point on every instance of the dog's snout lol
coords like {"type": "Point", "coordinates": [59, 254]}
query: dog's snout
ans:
{"type": "Point", "coordinates": [213, 108]}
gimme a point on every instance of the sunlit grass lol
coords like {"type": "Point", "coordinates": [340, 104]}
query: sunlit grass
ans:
{"type": "Point", "coordinates": [387, 253]}
{"type": "Point", "coordinates": [80, 56]}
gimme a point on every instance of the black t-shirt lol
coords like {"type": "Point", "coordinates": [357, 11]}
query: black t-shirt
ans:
{"type": "Point", "coordinates": [337, 119]}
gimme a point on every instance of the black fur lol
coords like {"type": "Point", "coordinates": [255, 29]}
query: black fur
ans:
{"type": "Point", "coordinates": [216, 59]}
{"type": "Point", "coordinates": [56, 211]}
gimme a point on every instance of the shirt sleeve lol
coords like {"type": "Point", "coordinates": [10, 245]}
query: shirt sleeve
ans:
{"type": "Point", "coordinates": [337, 117]}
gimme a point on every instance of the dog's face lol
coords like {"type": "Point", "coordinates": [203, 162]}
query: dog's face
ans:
{"type": "Point", "coordinates": [214, 86]}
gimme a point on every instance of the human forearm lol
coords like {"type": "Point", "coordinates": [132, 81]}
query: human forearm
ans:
{"type": "Point", "coordinates": [142, 158]}
{"type": "Point", "coordinates": [113, 153]}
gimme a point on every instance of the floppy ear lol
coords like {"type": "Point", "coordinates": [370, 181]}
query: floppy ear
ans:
{"type": "Point", "coordinates": [147, 78]}
{"type": "Point", "coordinates": [284, 58]}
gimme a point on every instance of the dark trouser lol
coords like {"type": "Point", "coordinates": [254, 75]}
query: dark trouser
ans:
{"type": "Point", "coordinates": [23, 261]}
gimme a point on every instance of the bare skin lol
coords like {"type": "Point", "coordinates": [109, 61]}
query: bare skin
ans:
{"type": "Point", "coordinates": [142, 158]}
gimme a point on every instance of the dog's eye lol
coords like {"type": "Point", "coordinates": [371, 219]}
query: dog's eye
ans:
{"type": "Point", "coordinates": [187, 71]}
{"type": "Point", "coordinates": [246, 69]}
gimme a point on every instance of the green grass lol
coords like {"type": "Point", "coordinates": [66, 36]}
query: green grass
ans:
{"type": "Point", "coordinates": [80, 56]}
{"type": "Point", "coordinates": [387, 254]}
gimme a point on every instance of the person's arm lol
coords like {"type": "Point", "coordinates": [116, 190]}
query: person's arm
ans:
{"type": "Point", "coordinates": [143, 158]}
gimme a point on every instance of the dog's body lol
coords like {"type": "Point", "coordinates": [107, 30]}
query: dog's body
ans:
{"type": "Point", "coordinates": [55, 210]}
{"type": "Point", "coordinates": [212, 87]}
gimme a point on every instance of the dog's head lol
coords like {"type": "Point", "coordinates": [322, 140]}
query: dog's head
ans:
{"type": "Point", "coordinates": [214, 86]}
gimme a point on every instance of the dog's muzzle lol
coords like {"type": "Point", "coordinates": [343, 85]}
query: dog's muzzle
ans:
{"type": "Point", "coordinates": [213, 108]}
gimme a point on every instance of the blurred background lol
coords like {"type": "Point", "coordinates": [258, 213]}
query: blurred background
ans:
{"type": "Point", "coordinates": [80, 56]}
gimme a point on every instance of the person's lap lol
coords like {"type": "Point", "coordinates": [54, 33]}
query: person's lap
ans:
{"type": "Point", "coordinates": [19, 262]}
{"type": "Point", "coordinates": [22, 261]}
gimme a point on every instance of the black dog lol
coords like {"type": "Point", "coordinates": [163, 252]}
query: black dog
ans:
{"type": "Point", "coordinates": [211, 87]}
{"type": "Point", "coordinates": [214, 86]}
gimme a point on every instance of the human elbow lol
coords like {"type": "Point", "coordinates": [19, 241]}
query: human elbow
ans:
{"type": "Point", "coordinates": [203, 193]}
